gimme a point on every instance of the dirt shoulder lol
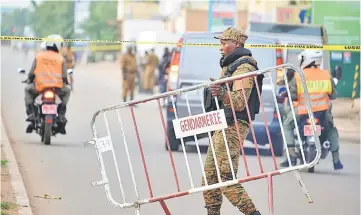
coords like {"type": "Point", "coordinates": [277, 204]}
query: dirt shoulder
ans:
{"type": "Point", "coordinates": [347, 119]}
{"type": "Point", "coordinates": [8, 199]}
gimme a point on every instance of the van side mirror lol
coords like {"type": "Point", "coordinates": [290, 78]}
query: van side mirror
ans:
{"type": "Point", "coordinates": [337, 72]}
{"type": "Point", "coordinates": [21, 71]}
{"type": "Point", "coordinates": [335, 80]}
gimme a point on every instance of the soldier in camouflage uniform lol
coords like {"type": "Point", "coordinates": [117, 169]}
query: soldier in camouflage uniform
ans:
{"type": "Point", "coordinates": [130, 70]}
{"type": "Point", "coordinates": [232, 48]}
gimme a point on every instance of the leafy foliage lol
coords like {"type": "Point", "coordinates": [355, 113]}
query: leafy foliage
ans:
{"type": "Point", "coordinates": [57, 17]}
{"type": "Point", "coordinates": [53, 17]}
{"type": "Point", "coordinates": [16, 20]}
{"type": "Point", "coordinates": [98, 26]}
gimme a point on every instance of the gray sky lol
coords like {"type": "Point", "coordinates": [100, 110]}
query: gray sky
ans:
{"type": "Point", "coordinates": [16, 3]}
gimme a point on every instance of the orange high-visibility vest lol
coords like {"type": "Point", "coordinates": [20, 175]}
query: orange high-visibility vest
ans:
{"type": "Point", "coordinates": [48, 70]}
{"type": "Point", "coordinates": [319, 88]}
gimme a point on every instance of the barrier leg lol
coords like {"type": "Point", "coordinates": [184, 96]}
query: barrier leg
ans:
{"type": "Point", "coordinates": [164, 206]}
{"type": "Point", "coordinates": [270, 194]}
{"type": "Point", "coordinates": [137, 210]}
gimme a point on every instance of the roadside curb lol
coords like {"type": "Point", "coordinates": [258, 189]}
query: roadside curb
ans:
{"type": "Point", "coordinates": [17, 182]}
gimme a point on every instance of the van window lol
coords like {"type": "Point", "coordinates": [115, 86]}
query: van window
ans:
{"type": "Point", "coordinates": [265, 57]}
{"type": "Point", "coordinates": [306, 30]}
{"type": "Point", "coordinates": [292, 57]}
{"type": "Point", "coordinates": [200, 61]}
{"type": "Point", "coordinates": [203, 61]}
{"type": "Point", "coordinates": [288, 29]}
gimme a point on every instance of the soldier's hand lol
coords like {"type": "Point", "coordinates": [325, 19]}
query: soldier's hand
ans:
{"type": "Point", "coordinates": [214, 88]}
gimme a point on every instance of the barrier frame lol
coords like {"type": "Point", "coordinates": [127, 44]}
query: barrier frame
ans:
{"type": "Point", "coordinates": [107, 146]}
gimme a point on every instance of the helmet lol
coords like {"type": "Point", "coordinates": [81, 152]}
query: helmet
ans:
{"type": "Point", "coordinates": [43, 46]}
{"type": "Point", "coordinates": [56, 41]}
{"type": "Point", "coordinates": [310, 57]}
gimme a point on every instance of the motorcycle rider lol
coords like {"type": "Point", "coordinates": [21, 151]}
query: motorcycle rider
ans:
{"type": "Point", "coordinates": [320, 85]}
{"type": "Point", "coordinates": [48, 70]}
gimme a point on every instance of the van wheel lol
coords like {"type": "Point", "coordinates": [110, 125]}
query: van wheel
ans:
{"type": "Point", "coordinates": [173, 142]}
{"type": "Point", "coordinates": [278, 149]}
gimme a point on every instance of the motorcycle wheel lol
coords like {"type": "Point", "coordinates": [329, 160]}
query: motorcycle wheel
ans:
{"type": "Point", "coordinates": [47, 134]}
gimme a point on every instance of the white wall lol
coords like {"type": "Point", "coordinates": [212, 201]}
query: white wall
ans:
{"type": "Point", "coordinates": [132, 28]}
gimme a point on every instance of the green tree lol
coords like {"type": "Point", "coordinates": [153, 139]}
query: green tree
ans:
{"type": "Point", "coordinates": [98, 26]}
{"type": "Point", "coordinates": [17, 19]}
{"type": "Point", "coordinates": [53, 17]}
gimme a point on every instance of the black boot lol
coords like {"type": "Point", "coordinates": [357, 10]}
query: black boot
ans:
{"type": "Point", "coordinates": [62, 120]}
{"type": "Point", "coordinates": [30, 128]}
{"type": "Point", "coordinates": [255, 213]}
{"type": "Point", "coordinates": [131, 99]}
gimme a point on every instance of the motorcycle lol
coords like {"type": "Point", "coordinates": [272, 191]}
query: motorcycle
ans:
{"type": "Point", "coordinates": [308, 140]}
{"type": "Point", "coordinates": [46, 106]}
{"type": "Point", "coordinates": [306, 133]}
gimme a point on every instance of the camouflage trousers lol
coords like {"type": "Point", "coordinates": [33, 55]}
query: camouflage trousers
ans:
{"type": "Point", "coordinates": [236, 194]}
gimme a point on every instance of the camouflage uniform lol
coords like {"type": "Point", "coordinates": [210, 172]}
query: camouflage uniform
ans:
{"type": "Point", "coordinates": [129, 74]}
{"type": "Point", "coordinates": [236, 194]}
{"type": "Point", "coordinates": [149, 73]}
{"type": "Point", "coordinates": [69, 56]}
{"type": "Point", "coordinates": [289, 125]}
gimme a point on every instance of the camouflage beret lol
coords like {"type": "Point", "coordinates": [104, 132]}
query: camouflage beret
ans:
{"type": "Point", "coordinates": [233, 34]}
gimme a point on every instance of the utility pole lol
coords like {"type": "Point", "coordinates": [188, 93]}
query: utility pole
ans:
{"type": "Point", "coordinates": [70, 33]}
{"type": "Point", "coordinates": [72, 21]}
{"type": "Point", "coordinates": [120, 20]}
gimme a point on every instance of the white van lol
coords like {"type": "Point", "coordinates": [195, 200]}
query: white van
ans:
{"type": "Point", "coordinates": [293, 34]}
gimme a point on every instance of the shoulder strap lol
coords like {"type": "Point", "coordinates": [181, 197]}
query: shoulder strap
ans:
{"type": "Point", "coordinates": [233, 66]}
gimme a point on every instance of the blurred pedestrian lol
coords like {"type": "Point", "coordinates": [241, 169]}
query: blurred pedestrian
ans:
{"type": "Point", "coordinates": [70, 59]}
{"type": "Point", "coordinates": [143, 63]}
{"type": "Point", "coordinates": [139, 66]}
{"type": "Point", "coordinates": [163, 67]}
{"type": "Point", "coordinates": [149, 73]}
{"type": "Point", "coordinates": [129, 69]}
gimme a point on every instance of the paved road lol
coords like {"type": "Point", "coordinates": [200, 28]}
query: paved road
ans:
{"type": "Point", "coordinates": [65, 169]}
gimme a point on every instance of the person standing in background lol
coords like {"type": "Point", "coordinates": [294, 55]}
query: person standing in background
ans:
{"type": "Point", "coordinates": [163, 67]}
{"type": "Point", "coordinates": [139, 65]}
{"type": "Point", "coordinates": [70, 59]}
{"type": "Point", "coordinates": [149, 73]}
{"type": "Point", "coordinates": [129, 69]}
{"type": "Point", "coordinates": [143, 63]}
